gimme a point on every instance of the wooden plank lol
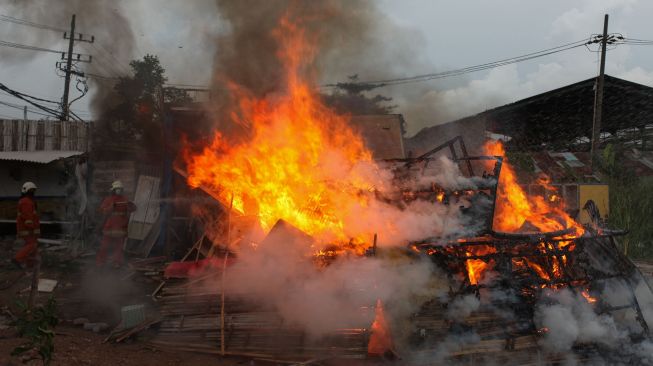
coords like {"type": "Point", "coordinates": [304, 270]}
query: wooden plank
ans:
{"type": "Point", "coordinates": [147, 203]}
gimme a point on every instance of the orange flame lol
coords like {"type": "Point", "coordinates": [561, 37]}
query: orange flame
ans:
{"type": "Point", "coordinates": [539, 270]}
{"type": "Point", "coordinates": [514, 207]}
{"type": "Point", "coordinates": [380, 339]}
{"type": "Point", "coordinates": [588, 297]}
{"type": "Point", "coordinates": [302, 162]}
{"type": "Point", "coordinates": [476, 268]}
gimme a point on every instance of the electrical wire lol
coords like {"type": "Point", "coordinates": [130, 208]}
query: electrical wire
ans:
{"type": "Point", "coordinates": [27, 47]}
{"type": "Point", "coordinates": [79, 111]}
{"type": "Point", "coordinates": [9, 19]}
{"type": "Point", "coordinates": [102, 77]}
{"type": "Point", "coordinates": [469, 69]}
{"type": "Point", "coordinates": [123, 69]}
{"type": "Point", "coordinates": [26, 97]}
{"type": "Point", "coordinates": [14, 93]}
{"type": "Point", "coordinates": [103, 64]}
{"type": "Point", "coordinates": [19, 107]}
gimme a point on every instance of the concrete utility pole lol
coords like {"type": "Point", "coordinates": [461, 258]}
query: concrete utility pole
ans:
{"type": "Point", "coordinates": [69, 61]}
{"type": "Point", "coordinates": [598, 102]}
{"type": "Point", "coordinates": [65, 112]}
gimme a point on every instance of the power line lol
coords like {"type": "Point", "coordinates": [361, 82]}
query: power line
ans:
{"type": "Point", "coordinates": [10, 92]}
{"type": "Point", "coordinates": [7, 18]}
{"type": "Point", "coordinates": [102, 67]}
{"type": "Point", "coordinates": [489, 65]}
{"type": "Point", "coordinates": [27, 47]}
{"type": "Point", "coordinates": [102, 77]}
{"type": "Point", "coordinates": [25, 97]}
{"type": "Point", "coordinates": [19, 107]}
{"type": "Point", "coordinates": [124, 69]}
{"type": "Point", "coordinates": [636, 42]}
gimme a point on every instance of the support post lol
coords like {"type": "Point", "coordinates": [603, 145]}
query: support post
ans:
{"type": "Point", "coordinates": [224, 272]}
{"type": "Point", "coordinates": [598, 103]}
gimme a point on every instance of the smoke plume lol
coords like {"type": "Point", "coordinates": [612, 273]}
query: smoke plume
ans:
{"type": "Point", "coordinates": [350, 38]}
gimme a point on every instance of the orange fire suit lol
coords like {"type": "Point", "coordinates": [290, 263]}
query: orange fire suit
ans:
{"type": "Point", "coordinates": [114, 231]}
{"type": "Point", "coordinates": [28, 227]}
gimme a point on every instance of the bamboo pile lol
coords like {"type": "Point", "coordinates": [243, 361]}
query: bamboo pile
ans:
{"type": "Point", "coordinates": [483, 335]}
{"type": "Point", "coordinates": [191, 321]}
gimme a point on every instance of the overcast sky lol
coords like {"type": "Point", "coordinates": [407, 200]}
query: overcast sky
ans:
{"type": "Point", "coordinates": [444, 35]}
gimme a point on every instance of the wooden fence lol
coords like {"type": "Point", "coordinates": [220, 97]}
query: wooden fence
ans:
{"type": "Point", "coordinates": [29, 135]}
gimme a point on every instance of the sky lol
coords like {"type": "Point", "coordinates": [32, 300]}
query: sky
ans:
{"type": "Point", "coordinates": [439, 36]}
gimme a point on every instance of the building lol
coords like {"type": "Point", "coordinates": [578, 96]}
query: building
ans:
{"type": "Point", "coordinates": [559, 120]}
{"type": "Point", "coordinates": [49, 153]}
{"type": "Point", "coordinates": [550, 133]}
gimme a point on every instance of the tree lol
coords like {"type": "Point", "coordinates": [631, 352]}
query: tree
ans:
{"type": "Point", "coordinates": [134, 120]}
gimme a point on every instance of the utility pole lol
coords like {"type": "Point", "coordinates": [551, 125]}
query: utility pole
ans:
{"type": "Point", "coordinates": [598, 102]}
{"type": "Point", "coordinates": [69, 63]}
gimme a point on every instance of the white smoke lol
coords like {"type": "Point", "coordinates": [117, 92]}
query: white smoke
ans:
{"type": "Point", "coordinates": [342, 295]}
{"type": "Point", "coordinates": [572, 319]}
{"type": "Point", "coordinates": [462, 307]}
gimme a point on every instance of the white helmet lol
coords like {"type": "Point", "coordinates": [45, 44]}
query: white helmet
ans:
{"type": "Point", "coordinates": [27, 186]}
{"type": "Point", "coordinates": [116, 185]}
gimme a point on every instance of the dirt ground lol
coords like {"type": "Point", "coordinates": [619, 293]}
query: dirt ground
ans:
{"type": "Point", "coordinates": [76, 347]}
{"type": "Point", "coordinates": [83, 291]}
{"type": "Point", "coordinates": [86, 292]}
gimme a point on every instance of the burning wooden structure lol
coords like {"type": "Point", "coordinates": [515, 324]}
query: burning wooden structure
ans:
{"type": "Point", "coordinates": [498, 258]}
{"type": "Point", "coordinates": [510, 274]}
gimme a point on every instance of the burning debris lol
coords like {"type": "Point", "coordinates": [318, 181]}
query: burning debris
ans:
{"type": "Point", "coordinates": [406, 257]}
{"type": "Point", "coordinates": [312, 247]}
{"type": "Point", "coordinates": [524, 284]}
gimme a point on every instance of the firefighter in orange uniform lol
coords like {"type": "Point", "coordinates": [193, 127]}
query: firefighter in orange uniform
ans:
{"type": "Point", "coordinates": [28, 226]}
{"type": "Point", "coordinates": [117, 208]}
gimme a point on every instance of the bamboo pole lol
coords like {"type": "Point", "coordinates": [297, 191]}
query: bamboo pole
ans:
{"type": "Point", "coordinates": [224, 271]}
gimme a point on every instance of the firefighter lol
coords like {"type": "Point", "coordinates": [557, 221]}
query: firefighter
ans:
{"type": "Point", "coordinates": [28, 226]}
{"type": "Point", "coordinates": [117, 208]}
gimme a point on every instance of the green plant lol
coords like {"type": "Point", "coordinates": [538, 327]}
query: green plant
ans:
{"type": "Point", "coordinates": [631, 208]}
{"type": "Point", "coordinates": [37, 326]}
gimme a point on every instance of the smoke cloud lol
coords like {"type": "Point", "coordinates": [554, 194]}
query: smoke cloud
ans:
{"type": "Point", "coordinates": [573, 320]}
{"type": "Point", "coordinates": [322, 300]}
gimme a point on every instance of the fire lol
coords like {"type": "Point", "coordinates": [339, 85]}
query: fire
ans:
{"type": "Point", "coordinates": [588, 297]}
{"type": "Point", "coordinates": [302, 163]}
{"type": "Point", "coordinates": [476, 268]}
{"type": "Point", "coordinates": [514, 207]}
{"type": "Point", "coordinates": [539, 270]}
{"type": "Point", "coordinates": [380, 338]}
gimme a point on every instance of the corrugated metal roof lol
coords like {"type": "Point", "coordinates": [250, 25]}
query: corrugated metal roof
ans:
{"type": "Point", "coordinates": [40, 157]}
